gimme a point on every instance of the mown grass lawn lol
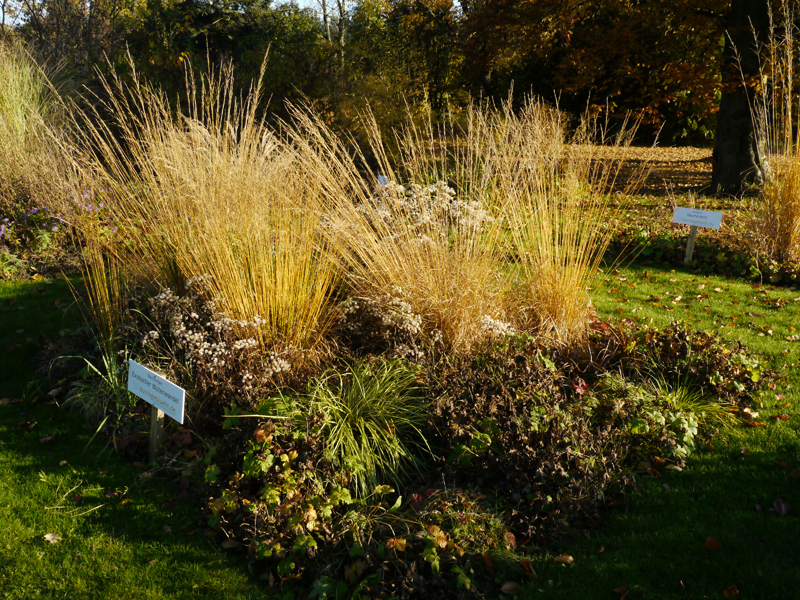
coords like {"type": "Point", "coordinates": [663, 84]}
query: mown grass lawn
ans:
{"type": "Point", "coordinates": [133, 532]}
{"type": "Point", "coordinates": [655, 545]}
{"type": "Point", "coordinates": [120, 531]}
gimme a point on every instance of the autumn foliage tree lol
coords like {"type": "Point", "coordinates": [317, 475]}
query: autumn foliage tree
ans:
{"type": "Point", "coordinates": [659, 57]}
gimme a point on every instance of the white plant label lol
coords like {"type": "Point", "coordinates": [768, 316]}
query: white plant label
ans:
{"type": "Point", "coordinates": [156, 390]}
{"type": "Point", "coordinates": [698, 218]}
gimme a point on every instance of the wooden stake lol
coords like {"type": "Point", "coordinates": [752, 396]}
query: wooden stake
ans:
{"type": "Point", "coordinates": [690, 244]}
{"type": "Point", "coordinates": [156, 431]}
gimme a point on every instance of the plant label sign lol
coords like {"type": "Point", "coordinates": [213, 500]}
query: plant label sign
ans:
{"type": "Point", "coordinates": [698, 218]}
{"type": "Point", "coordinates": [156, 390]}
{"type": "Point", "coordinates": [695, 218]}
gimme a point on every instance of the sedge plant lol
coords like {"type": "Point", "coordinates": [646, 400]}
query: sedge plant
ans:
{"type": "Point", "coordinates": [374, 414]}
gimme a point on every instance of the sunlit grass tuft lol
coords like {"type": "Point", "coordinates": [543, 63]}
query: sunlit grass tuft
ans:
{"type": "Point", "coordinates": [211, 192]}
{"type": "Point", "coordinates": [374, 416]}
{"type": "Point", "coordinates": [774, 225]}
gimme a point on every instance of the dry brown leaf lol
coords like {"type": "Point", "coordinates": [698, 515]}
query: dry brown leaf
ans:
{"type": "Point", "coordinates": [228, 544]}
{"type": "Point", "coordinates": [564, 560]}
{"type": "Point", "coordinates": [487, 561]}
{"type": "Point", "coordinates": [48, 438]}
{"type": "Point", "coordinates": [781, 506]}
{"type": "Point", "coordinates": [622, 591]}
{"type": "Point", "coordinates": [51, 537]}
{"type": "Point", "coordinates": [529, 569]}
{"type": "Point", "coordinates": [712, 544]}
{"type": "Point", "coordinates": [731, 592]}
{"type": "Point", "coordinates": [511, 588]}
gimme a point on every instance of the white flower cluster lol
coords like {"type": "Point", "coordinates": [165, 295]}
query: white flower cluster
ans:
{"type": "Point", "coordinates": [212, 343]}
{"type": "Point", "coordinates": [419, 214]}
{"type": "Point", "coordinates": [495, 327]}
{"type": "Point", "coordinates": [427, 209]}
{"type": "Point", "coordinates": [389, 317]}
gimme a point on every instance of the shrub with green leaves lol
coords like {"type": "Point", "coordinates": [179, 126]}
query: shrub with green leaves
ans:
{"type": "Point", "coordinates": [715, 367]}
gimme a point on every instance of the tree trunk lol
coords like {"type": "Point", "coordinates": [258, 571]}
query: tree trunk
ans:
{"type": "Point", "coordinates": [735, 157]}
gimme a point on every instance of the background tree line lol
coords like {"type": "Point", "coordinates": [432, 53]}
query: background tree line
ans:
{"type": "Point", "coordinates": [661, 57]}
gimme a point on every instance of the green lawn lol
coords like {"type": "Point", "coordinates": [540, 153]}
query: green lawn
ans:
{"type": "Point", "coordinates": [655, 545]}
{"type": "Point", "coordinates": [121, 531]}
{"type": "Point", "coordinates": [133, 532]}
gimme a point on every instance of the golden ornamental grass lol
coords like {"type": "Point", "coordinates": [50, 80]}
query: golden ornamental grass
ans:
{"type": "Point", "coordinates": [34, 164]}
{"type": "Point", "coordinates": [774, 223]}
{"type": "Point", "coordinates": [431, 245]}
{"type": "Point", "coordinates": [210, 192]}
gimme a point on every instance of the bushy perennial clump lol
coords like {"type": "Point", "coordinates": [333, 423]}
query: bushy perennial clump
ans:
{"type": "Point", "coordinates": [221, 355]}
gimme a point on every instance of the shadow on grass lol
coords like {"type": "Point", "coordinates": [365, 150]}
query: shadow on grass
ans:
{"type": "Point", "coordinates": [122, 531]}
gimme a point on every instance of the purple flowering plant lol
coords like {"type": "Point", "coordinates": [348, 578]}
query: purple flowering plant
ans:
{"type": "Point", "coordinates": [25, 224]}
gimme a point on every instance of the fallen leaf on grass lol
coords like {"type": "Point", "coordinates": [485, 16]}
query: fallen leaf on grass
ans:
{"type": "Point", "coordinates": [229, 544]}
{"type": "Point", "coordinates": [731, 592]}
{"type": "Point", "coordinates": [749, 414]}
{"type": "Point", "coordinates": [794, 473]}
{"type": "Point", "coordinates": [564, 560]}
{"type": "Point", "coordinates": [148, 490]}
{"type": "Point", "coordinates": [745, 450]}
{"type": "Point", "coordinates": [398, 544]}
{"type": "Point", "coordinates": [529, 569]}
{"type": "Point", "coordinates": [780, 463]}
{"type": "Point", "coordinates": [48, 438]}
{"type": "Point", "coordinates": [712, 544]}
{"type": "Point", "coordinates": [601, 549]}
{"type": "Point", "coordinates": [622, 591]}
{"type": "Point", "coordinates": [189, 453]}
{"type": "Point", "coordinates": [511, 588]}
{"type": "Point", "coordinates": [167, 529]}
{"type": "Point", "coordinates": [487, 562]}
{"type": "Point", "coordinates": [51, 537]}
{"type": "Point", "coordinates": [781, 506]}
{"type": "Point", "coordinates": [781, 417]}
{"type": "Point", "coordinates": [125, 501]}
{"type": "Point", "coordinates": [511, 540]}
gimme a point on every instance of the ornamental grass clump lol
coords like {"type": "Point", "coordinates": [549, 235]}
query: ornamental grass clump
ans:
{"type": "Point", "coordinates": [774, 224]}
{"type": "Point", "coordinates": [555, 198]}
{"type": "Point", "coordinates": [373, 417]}
{"type": "Point", "coordinates": [412, 229]}
{"type": "Point", "coordinates": [210, 191]}
{"type": "Point", "coordinates": [431, 227]}
{"type": "Point", "coordinates": [35, 167]}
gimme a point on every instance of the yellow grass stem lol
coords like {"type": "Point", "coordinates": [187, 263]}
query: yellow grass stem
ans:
{"type": "Point", "coordinates": [774, 225]}
{"type": "Point", "coordinates": [211, 192]}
